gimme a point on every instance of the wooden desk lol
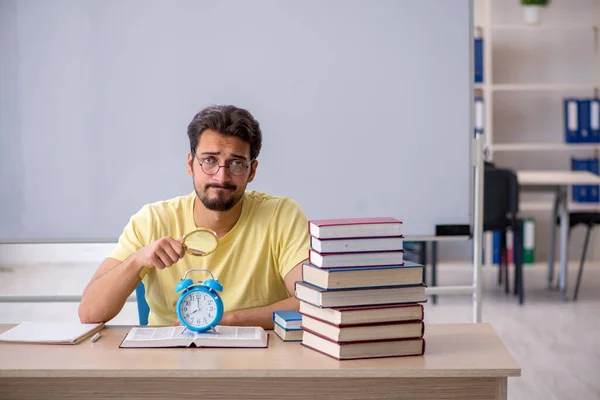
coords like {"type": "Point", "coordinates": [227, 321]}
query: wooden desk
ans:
{"type": "Point", "coordinates": [462, 361]}
{"type": "Point", "coordinates": [557, 182]}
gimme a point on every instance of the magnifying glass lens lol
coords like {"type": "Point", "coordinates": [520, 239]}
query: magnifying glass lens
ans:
{"type": "Point", "coordinates": [200, 243]}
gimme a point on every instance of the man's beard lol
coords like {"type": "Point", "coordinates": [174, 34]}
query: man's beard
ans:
{"type": "Point", "coordinates": [219, 203]}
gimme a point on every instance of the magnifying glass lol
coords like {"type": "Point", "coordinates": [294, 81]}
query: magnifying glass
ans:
{"type": "Point", "coordinates": [200, 242]}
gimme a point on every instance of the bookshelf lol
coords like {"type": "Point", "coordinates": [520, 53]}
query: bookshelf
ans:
{"type": "Point", "coordinates": [522, 146]}
{"type": "Point", "coordinates": [535, 86]}
{"type": "Point", "coordinates": [490, 86]}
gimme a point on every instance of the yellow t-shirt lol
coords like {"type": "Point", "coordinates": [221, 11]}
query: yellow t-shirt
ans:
{"type": "Point", "coordinates": [268, 240]}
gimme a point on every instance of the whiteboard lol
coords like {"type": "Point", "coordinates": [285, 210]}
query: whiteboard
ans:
{"type": "Point", "coordinates": [364, 106]}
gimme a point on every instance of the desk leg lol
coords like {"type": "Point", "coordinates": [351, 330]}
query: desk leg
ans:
{"type": "Point", "coordinates": [501, 388]}
{"type": "Point", "coordinates": [564, 242]}
{"type": "Point", "coordinates": [552, 247]}
{"type": "Point", "coordinates": [434, 268]}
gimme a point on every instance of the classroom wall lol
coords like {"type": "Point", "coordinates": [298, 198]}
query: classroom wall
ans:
{"type": "Point", "coordinates": [121, 80]}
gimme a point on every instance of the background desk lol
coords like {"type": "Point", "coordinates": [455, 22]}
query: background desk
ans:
{"type": "Point", "coordinates": [559, 183]}
{"type": "Point", "coordinates": [462, 361]}
{"type": "Point", "coordinates": [423, 240]}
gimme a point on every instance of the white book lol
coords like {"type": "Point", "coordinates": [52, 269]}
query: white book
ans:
{"type": "Point", "coordinates": [356, 244]}
{"type": "Point", "coordinates": [50, 332]}
{"type": "Point", "coordinates": [179, 336]}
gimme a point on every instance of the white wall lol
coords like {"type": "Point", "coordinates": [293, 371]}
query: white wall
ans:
{"type": "Point", "coordinates": [330, 82]}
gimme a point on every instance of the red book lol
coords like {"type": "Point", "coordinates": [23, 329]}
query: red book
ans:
{"type": "Point", "coordinates": [356, 259]}
{"type": "Point", "coordinates": [364, 332]}
{"type": "Point", "coordinates": [355, 227]}
{"type": "Point", "coordinates": [345, 316]}
{"type": "Point", "coordinates": [363, 349]}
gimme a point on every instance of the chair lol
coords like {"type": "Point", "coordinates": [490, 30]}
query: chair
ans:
{"type": "Point", "coordinates": [589, 219]}
{"type": "Point", "coordinates": [500, 213]}
{"type": "Point", "coordinates": [142, 305]}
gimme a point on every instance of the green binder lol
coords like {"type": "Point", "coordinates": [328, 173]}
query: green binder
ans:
{"type": "Point", "coordinates": [528, 241]}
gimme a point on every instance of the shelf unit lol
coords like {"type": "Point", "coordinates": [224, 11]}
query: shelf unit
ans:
{"type": "Point", "coordinates": [497, 87]}
{"type": "Point", "coordinates": [571, 147]}
{"type": "Point", "coordinates": [490, 87]}
{"type": "Point", "coordinates": [529, 206]}
{"type": "Point", "coordinates": [544, 27]}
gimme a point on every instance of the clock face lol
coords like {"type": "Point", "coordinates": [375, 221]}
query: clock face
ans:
{"type": "Point", "coordinates": [198, 309]}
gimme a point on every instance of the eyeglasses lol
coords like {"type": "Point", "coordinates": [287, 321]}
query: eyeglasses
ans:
{"type": "Point", "coordinates": [211, 166]}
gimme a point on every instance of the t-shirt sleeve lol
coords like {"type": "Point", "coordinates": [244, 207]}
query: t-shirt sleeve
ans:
{"type": "Point", "coordinates": [291, 235]}
{"type": "Point", "coordinates": [136, 234]}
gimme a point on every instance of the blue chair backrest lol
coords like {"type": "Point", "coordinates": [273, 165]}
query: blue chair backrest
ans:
{"type": "Point", "coordinates": [143, 308]}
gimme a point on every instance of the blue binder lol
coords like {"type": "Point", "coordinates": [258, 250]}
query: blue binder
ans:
{"type": "Point", "coordinates": [579, 192]}
{"type": "Point", "coordinates": [595, 120]}
{"type": "Point", "coordinates": [496, 246]}
{"type": "Point", "coordinates": [571, 120]}
{"type": "Point", "coordinates": [594, 190]}
{"type": "Point", "coordinates": [586, 193]}
{"type": "Point", "coordinates": [478, 53]}
{"type": "Point", "coordinates": [584, 135]}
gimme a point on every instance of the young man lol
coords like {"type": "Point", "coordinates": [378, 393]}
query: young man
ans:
{"type": "Point", "coordinates": [263, 239]}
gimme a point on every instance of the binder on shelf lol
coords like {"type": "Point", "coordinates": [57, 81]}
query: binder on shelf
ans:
{"type": "Point", "coordinates": [528, 241]}
{"type": "Point", "coordinates": [595, 120]}
{"type": "Point", "coordinates": [584, 134]}
{"type": "Point", "coordinates": [571, 111]}
{"type": "Point", "coordinates": [585, 193]}
{"type": "Point", "coordinates": [593, 165]}
{"type": "Point", "coordinates": [510, 247]}
{"type": "Point", "coordinates": [579, 192]}
{"type": "Point", "coordinates": [496, 245]}
{"type": "Point", "coordinates": [478, 53]}
{"type": "Point", "coordinates": [594, 194]}
{"type": "Point", "coordinates": [479, 116]}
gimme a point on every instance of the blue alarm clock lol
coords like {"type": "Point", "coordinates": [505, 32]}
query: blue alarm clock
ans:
{"type": "Point", "coordinates": [199, 307]}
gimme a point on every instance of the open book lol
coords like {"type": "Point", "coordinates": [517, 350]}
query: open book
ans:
{"type": "Point", "coordinates": [178, 336]}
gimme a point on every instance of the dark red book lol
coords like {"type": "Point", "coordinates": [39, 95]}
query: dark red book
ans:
{"type": "Point", "coordinates": [363, 349]}
{"type": "Point", "coordinates": [364, 332]}
{"type": "Point", "coordinates": [342, 316]}
{"type": "Point", "coordinates": [356, 259]}
{"type": "Point", "coordinates": [359, 297]}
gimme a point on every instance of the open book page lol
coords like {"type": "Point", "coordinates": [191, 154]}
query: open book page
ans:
{"type": "Point", "coordinates": [168, 336]}
{"type": "Point", "coordinates": [233, 336]}
{"type": "Point", "coordinates": [162, 333]}
{"type": "Point", "coordinates": [232, 333]}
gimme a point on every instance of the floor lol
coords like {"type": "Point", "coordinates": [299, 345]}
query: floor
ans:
{"type": "Point", "coordinates": [557, 344]}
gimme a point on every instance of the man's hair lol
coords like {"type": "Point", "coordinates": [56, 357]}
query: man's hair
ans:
{"type": "Point", "coordinates": [228, 121]}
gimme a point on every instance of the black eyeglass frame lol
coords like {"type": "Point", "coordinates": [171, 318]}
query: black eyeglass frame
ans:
{"type": "Point", "coordinates": [248, 164]}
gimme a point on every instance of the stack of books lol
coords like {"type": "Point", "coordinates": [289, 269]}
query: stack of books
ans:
{"type": "Point", "coordinates": [286, 325]}
{"type": "Point", "coordinates": [358, 297]}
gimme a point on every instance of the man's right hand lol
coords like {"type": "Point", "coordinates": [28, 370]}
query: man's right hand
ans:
{"type": "Point", "coordinates": [160, 254]}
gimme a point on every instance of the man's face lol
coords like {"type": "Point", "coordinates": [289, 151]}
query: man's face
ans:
{"type": "Point", "coordinates": [222, 190]}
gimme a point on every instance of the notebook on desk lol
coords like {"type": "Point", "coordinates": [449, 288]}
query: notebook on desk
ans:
{"type": "Point", "coordinates": [50, 332]}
